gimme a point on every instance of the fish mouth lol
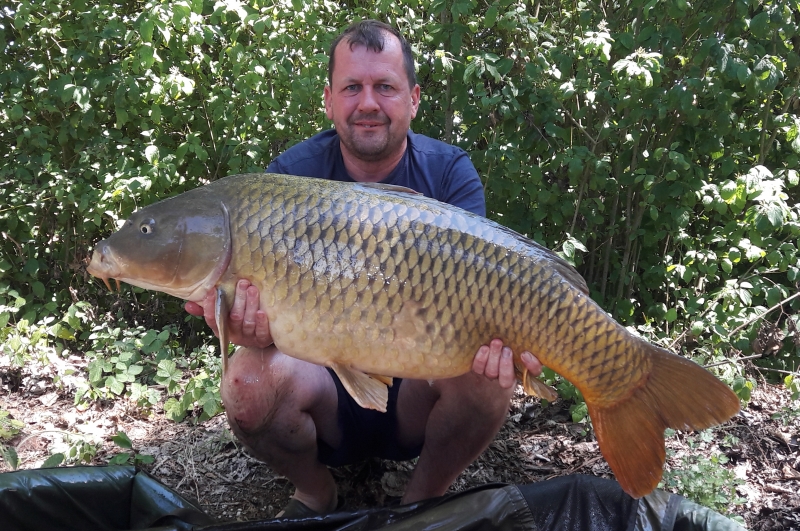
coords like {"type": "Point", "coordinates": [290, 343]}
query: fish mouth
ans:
{"type": "Point", "coordinates": [103, 265]}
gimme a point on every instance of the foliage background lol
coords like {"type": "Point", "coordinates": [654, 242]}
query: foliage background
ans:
{"type": "Point", "coordinates": [654, 143]}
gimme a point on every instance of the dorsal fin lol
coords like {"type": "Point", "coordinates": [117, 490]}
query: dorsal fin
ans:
{"type": "Point", "coordinates": [383, 187]}
{"type": "Point", "coordinates": [564, 268]}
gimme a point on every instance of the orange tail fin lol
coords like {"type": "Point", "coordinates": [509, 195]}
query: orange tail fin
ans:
{"type": "Point", "coordinates": [677, 394]}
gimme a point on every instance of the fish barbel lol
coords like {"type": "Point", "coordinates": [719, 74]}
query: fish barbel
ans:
{"type": "Point", "coordinates": [376, 282]}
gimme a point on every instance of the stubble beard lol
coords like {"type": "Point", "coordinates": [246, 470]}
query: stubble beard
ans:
{"type": "Point", "coordinates": [367, 145]}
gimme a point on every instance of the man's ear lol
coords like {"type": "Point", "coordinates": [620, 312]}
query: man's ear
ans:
{"type": "Point", "coordinates": [327, 96]}
{"type": "Point", "coordinates": [415, 95]}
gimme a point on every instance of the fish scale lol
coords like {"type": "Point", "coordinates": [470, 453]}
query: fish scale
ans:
{"type": "Point", "coordinates": [430, 266]}
{"type": "Point", "coordinates": [372, 280]}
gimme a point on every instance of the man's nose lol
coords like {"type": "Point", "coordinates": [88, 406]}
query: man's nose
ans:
{"type": "Point", "coordinates": [368, 101]}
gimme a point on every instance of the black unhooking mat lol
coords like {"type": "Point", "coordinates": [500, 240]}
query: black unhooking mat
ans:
{"type": "Point", "coordinates": [122, 498]}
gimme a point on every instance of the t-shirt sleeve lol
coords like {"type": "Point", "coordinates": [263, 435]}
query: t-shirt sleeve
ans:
{"type": "Point", "coordinates": [275, 167]}
{"type": "Point", "coordinates": [462, 186]}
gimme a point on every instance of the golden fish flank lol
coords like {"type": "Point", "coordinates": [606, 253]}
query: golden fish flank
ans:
{"type": "Point", "coordinates": [372, 280]}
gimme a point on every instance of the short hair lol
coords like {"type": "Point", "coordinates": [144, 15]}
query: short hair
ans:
{"type": "Point", "coordinates": [371, 33]}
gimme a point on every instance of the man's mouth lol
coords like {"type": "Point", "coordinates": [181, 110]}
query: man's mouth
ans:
{"type": "Point", "coordinates": [369, 123]}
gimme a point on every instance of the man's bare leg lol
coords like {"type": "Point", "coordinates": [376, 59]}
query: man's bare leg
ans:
{"type": "Point", "coordinates": [455, 419]}
{"type": "Point", "coordinates": [277, 406]}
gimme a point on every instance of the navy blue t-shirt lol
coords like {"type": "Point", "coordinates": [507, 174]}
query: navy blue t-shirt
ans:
{"type": "Point", "coordinates": [429, 166]}
{"type": "Point", "coordinates": [432, 168]}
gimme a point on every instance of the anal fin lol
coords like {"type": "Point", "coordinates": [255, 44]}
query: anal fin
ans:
{"type": "Point", "coordinates": [368, 392]}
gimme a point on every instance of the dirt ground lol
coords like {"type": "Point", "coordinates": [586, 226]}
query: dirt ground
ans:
{"type": "Point", "coordinates": [205, 463]}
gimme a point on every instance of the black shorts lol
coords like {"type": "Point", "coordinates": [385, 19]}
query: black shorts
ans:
{"type": "Point", "coordinates": [365, 432]}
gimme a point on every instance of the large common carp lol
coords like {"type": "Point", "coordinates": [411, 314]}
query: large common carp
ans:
{"type": "Point", "coordinates": [376, 282]}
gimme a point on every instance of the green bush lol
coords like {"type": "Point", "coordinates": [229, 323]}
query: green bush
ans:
{"type": "Point", "coordinates": [655, 148]}
{"type": "Point", "coordinates": [150, 368]}
{"type": "Point", "coordinates": [705, 480]}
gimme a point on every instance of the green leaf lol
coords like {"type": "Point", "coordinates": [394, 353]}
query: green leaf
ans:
{"type": "Point", "coordinates": [759, 24]}
{"type": "Point", "coordinates": [151, 154]}
{"type": "Point", "coordinates": [745, 296]}
{"type": "Point", "coordinates": [795, 145]}
{"type": "Point", "coordinates": [122, 117]}
{"type": "Point", "coordinates": [9, 454]}
{"type": "Point", "coordinates": [774, 213]}
{"type": "Point", "coordinates": [491, 16]}
{"type": "Point", "coordinates": [38, 289]}
{"type": "Point", "coordinates": [579, 412]}
{"type": "Point", "coordinates": [16, 113]}
{"type": "Point", "coordinates": [753, 253]}
{"type": "Point", "coordinates": [743, 73]}
{"type": "Point", "coordinates": [120, 459]}
{"type": "Point", "coordinates": [173, 410]}
{"type": "Point", "coordinates": [122, 440]}
{"type": "Point", "coordinates": [767, 74]}
{"type": "Point", "coordinates": [144, 459]}
{"type": "Point", "coordinates": [54, 460]}
{"type": "Point", "coordinates": [728, 191]}
{"type": "Point", "coordinates": [146, 56]}
{"type": "Point", "coordinates": [115, 385]}
{"type": "Point", "coordinates": [671, 315]}
{"type": "Point", "coordinates": [146, 30]}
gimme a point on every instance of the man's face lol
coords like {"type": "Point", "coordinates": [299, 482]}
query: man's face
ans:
{"type": "Point", "coordinates": [369, 100]}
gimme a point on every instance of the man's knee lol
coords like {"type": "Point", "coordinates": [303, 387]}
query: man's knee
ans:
{"type": "Point", "coordinates": [252, 386]}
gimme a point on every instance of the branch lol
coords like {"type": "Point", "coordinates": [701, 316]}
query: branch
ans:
{"type": "Point", "coordinates": [754, 356]}
{"type": "Point", "coordinates": [766, 148]}
{"type": "Point", "coordinates": [579, 126]}
{"type": "Point", "coordinates": [761, 316]}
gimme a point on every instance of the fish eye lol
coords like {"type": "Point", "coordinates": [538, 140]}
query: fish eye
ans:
{"type": "Point", "coordinates": [147, 226]}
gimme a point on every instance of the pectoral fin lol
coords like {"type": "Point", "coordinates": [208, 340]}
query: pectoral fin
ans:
{"type": "Point", "coordinates": [369, 392]}
{"type": "Point", "coordinates": [221, 310]}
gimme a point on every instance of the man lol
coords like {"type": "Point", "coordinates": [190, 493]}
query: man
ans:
{"type": "Point", "coordinates": [296, 416]}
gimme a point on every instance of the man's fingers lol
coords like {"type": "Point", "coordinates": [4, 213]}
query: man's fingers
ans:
{"type": "Point", "coordinates": [532, 363]}
{"type": "Point", "coordinates": [496, 362]}
{"type": "Point", "coordinates": [193, 308]}
{"type": "Point", "coordinates": [263, 334]}
{"type": "Point", "coordinates": [209, 316]}
{"type": "Point", "coordinates": [236, 315]}
{"type": "Point", "coordinates": [506, 377]}
{"type": "Point", "coordinates": [493, 364]}
{"type": "Point", "coordinates": [250, 311]}
{"type": "Point", "coordinates": [479, 362]}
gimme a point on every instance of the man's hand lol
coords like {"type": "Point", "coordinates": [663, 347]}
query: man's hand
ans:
{"type": "Point", "coordinates": [248, 325]}
{"type": "Point", "coordinates": [496, 361]}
